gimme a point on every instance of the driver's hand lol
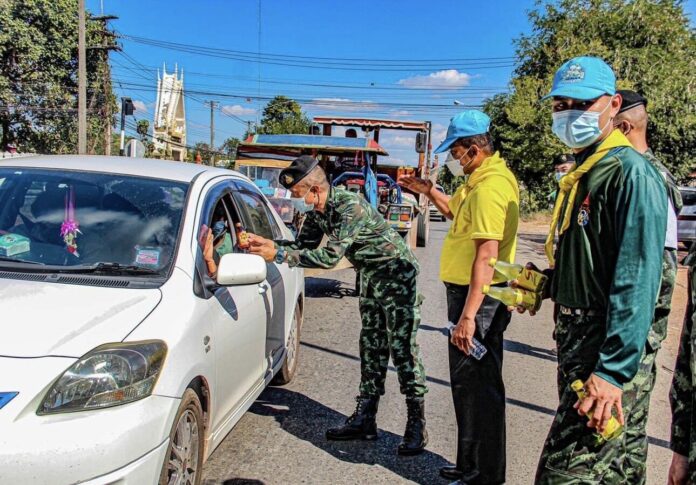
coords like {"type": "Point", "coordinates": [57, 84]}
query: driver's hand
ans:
{"type": "Point", "coordinates": [416, 184]}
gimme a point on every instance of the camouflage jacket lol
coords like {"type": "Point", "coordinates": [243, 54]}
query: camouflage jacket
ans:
{"type": "Point", "coordinates": [354, 229]}
{"type": "Point", "coordinates": [682, 394]}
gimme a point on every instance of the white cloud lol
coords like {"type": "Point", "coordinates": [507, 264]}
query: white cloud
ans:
{"type": "Point", "coordinates": [398, 141]}
{"type": "Point", "coordinates": [447, 79]}
{"type": "Point", "coordinates": [401, 112]}
{"type": "Point", "coordinates": [140, 106]}
{"type": "Point", "coordinates": [343, 104]}
{"type": "Point", "coordinates": [238, 110]}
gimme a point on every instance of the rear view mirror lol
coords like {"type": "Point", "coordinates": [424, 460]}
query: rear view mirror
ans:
{"type": "Point", "coordinates": [241, 269]}
{"type": "Point", "coordinates": [421, 142]}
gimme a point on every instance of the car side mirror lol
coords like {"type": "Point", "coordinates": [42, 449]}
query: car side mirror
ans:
{"type": "Point", "coordinates": [237, 269]}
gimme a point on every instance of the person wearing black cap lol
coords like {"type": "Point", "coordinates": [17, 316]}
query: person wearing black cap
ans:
{"type": "Point", "coordinates": [389, 300]}
{"type": "Point", "coordinates": [632, 120]}
{"type": "Point", "coordinates": [562, 164]}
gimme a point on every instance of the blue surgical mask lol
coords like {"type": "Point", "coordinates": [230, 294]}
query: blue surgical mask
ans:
{"type": "Point", "coordinates": [577, 128]}
{"type": "Point", "coordinates": [559, 176]}
{"type": "Point", "coordinates": [301, 205]}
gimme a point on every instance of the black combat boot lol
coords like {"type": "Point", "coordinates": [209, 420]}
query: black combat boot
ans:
{"type": "Point", "coordinates": [415, 436]}
{"type": "Point", "coordinates": [361, 425]}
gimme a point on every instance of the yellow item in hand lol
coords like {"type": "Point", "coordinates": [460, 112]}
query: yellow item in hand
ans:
{"type": "Point", "coordinates": [613, 428]}
{"type": "Point", "coordinates": [514, 297]}
{"type": "Point", "coordinates": [526, 278]}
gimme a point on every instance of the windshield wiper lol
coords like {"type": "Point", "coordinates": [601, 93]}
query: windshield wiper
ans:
{"type": "Point", "coordinates": [111, 268]}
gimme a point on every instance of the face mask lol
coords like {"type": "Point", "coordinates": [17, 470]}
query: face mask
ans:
{"type": "Point", "coordinates": [454, 165]}
{"type": "Point", "coordinates": [301, 205]}
{"type": "Point", "coordinates": [577, 128]}
{"type": "Point", "coordinates": [559, 176]}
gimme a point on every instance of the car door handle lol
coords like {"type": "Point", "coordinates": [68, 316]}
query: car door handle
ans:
{"type": "Point", "coordinates": [263, 288]}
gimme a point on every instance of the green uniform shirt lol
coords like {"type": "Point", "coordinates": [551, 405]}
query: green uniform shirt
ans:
{"type": "Point", "coordinates": [355, 230]}
{"type": "Point", "coordinates": [610, 258]}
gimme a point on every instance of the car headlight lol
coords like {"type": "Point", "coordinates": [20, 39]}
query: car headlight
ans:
{"type": "Point", "coordinates": [109, 375]}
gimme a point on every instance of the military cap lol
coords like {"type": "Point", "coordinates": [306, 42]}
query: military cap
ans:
{"type": "Point", "coordinates": [564, 158]}
{"type": "Point", "coordinates": [630, 99]}
{"type": "Point", "coordinates": [297, 170]}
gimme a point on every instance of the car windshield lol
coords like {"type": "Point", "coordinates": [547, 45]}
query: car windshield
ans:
{"type": "Point", "coordinates": [75, 220]}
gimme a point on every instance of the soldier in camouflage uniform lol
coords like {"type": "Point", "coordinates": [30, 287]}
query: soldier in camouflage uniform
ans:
{"type": "Point", "coordinates": [611, 217]}
{"type": "Point", "coordinates": [389, 300]}
{"type": "Point", "coordinates": [682, 395]}
{"type": "Point", "coordinates": [632, 120]}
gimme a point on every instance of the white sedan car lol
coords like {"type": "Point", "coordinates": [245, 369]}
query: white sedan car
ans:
{"type": "Point", "coordinates": [135, 331]}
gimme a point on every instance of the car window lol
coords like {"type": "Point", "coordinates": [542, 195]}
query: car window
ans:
{"type": "Point", "coordinates": [256, 214]}
{"type": "Point", "coordinates": [71, 218]}
{"type": "Point", "coordinates": [688, 197]}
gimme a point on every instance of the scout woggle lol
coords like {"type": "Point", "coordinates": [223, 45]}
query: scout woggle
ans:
{"type": "Point", "coordinates": [70, 227]}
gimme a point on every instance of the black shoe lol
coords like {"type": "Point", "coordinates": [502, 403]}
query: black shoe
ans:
{"type": "Point", "coordinates": [361, 425]}
{"type": "Point", "coordinates": [451, 473]}
{"type": "Point", "coordinates": [415, 436]}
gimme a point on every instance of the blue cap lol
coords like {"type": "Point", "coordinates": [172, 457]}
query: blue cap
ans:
{"type": "Point", "coordinates": [583, 78]}
{"type": "Point", "coordinates": [467, 123]}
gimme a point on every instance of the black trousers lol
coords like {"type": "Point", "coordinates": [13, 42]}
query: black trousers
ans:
{"type": "Point", "coordinates": [478, 392]}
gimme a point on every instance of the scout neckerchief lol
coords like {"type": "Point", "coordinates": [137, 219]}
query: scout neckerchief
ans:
{"type": "Point", "coordinates": [568, 188]}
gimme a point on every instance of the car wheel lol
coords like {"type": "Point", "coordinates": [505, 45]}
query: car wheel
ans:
{"type": "Point", "coordinates": [183, 464]}
{"type": "Point", "coordinates": [287, 372]}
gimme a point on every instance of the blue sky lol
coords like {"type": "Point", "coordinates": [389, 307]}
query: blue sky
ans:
{"type": "Point", "coordinates": [433, 33]}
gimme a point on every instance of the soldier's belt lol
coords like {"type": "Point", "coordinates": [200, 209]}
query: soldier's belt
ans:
{"type": "Point", "coordinates": [579, 312]}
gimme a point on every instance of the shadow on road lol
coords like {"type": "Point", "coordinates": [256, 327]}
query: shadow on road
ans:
{"type": "Point", "coordinates": [326, 288]}
{"type": "Point", "coordinates": [525, 349]}
{"type": "Point", "coordinates": [308, 420]}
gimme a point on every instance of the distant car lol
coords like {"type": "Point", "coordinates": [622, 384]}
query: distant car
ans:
{"type": "Point", "coordinates": [124, 357]}
{"type": "Point", "coordinates": [436, 215]}
{"type": "Point", "coordinates": [686, 222]}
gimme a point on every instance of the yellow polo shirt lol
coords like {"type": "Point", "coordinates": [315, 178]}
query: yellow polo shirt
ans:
{"type": "Point", "coordinates": [487, 206]}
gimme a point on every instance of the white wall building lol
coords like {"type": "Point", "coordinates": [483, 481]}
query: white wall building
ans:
{"type": "Point", "coordinates": [169, 130]}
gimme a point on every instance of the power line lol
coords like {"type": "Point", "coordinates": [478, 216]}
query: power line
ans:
{"type": "Point", "coordinates": [341, 66]}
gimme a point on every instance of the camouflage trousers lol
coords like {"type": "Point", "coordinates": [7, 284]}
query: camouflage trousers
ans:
{"type": "Point", "coordinates": [571, 453]}
{"type": "Point", "coordinates": [636, 394]}
{"type": "Point", "coordinates": [390, 312]}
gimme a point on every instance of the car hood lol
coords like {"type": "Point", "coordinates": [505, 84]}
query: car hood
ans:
{"type": "Point", "coordinates": [41, 319]}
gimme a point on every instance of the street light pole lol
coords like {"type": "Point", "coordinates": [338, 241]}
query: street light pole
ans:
{"type": "Point", "coordinates": [213, 105]}
{"type": "Point", "coordinates": [81, 81]}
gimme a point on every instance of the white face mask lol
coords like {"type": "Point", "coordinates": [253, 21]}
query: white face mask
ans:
{"type": "Point", "coordinates": [577, 128]}
{"type": "Point", "coordinates": [454, 164]}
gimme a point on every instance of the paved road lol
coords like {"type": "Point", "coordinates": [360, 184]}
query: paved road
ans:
{"type": "Point", "coordinates": [281, 439]}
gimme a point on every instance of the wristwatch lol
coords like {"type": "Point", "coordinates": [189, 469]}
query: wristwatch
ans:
{"type": "Point", "coordinates": [280, 255]}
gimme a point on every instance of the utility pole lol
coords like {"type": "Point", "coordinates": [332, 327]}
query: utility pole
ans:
{"type": "Point", "coordinates": [213, 105]}
{"type": "Point", "coordinates": [106, 97]}
{"type": "Point", "coordinates": [81, 81]}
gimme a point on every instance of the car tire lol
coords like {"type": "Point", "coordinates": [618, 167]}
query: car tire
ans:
{"type": "Point", "coordinates": [186, 443]}
{"type": "Point", "coordinates": [287, 371]}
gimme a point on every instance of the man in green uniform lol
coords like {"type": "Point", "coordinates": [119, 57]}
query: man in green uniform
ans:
{"type": "Point", "coordinates": [611, 217]}
{"type": "Point", "coordinates": [683, 393]}
{"type": "Point", "coordinates": [632, 120]}
{"type": "Point", "coordinates": [389, 300]}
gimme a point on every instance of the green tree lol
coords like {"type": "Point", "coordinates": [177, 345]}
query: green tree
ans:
{"type": "Point", "coordinates": [143, 127]}
{"type": "Point", "coordinates": [283, 115]}
{"type": "Point", "coordinates": [651, 48]}
{"type": "Point", "coordinates": [201, 148]}
{"type": "Point", "coordinates": [38, 77]}
{"type": "Point", "coordinates": [229, 148]}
